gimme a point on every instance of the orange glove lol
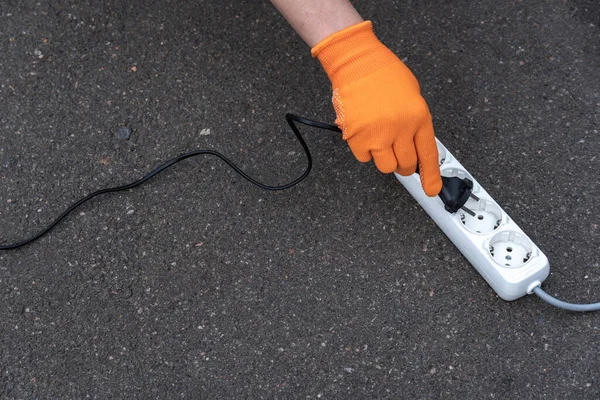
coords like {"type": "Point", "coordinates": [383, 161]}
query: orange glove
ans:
{"type": "Point", "coordinates": [379, 106]}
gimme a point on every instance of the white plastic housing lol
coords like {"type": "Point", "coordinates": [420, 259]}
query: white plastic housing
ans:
{"type": "Point", "coordinates": [492, 242]}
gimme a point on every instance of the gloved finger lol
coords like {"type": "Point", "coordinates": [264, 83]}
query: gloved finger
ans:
{"type": "Point", "coordinates": [361, 153]}
{"type": "Point", "coordinates": [429, 167]}
{"type": "Point", "coordinates": [385, 160]}
{"type": "Point", "coordinates": [406, 154]}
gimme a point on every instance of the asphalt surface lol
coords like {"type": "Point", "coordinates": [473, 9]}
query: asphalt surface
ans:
{"type": "Point", "coordinates": [199, 285]}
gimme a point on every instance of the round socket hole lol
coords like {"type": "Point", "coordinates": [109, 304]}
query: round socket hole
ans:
{"type": "Point", "coordinates": [488, 216]}
{"type": "Point", "coordinates": [511, 249]}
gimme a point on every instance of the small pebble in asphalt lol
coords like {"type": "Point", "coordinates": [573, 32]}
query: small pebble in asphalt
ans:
{"type": "Point", "coordinates": [124, 133]}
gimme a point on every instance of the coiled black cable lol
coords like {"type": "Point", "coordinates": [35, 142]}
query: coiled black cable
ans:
{"type": "Point", "coordinates": [290, 118]}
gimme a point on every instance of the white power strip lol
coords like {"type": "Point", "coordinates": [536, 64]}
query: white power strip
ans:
{"type": "Point", "coordinates": [492, 242]}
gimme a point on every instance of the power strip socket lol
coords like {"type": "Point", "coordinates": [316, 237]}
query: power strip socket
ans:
{"type": "Point", "coordinates": [492, 242]}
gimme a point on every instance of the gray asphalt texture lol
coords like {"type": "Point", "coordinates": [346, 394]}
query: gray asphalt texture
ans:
{"type": "Point", "coordinates": [199, 285]}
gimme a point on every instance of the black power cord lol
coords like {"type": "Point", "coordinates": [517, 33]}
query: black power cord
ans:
{"type": "Point", "coordinates": [291, 120]}
{"type": "Point", "coordinates": [455, 191]}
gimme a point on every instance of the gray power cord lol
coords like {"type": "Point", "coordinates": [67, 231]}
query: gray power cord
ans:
{"type": "Point", "coordinates": [563, 304]}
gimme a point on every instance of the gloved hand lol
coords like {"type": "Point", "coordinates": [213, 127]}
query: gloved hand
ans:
{"type": "Point", "coordinates": [379, 106]}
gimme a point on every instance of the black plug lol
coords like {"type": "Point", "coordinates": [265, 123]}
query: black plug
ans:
{"type": "Point", "coordinates": [455, 193]}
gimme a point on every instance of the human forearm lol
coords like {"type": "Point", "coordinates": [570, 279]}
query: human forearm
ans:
{"type": "Point", "coordinates": [314, 20]}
